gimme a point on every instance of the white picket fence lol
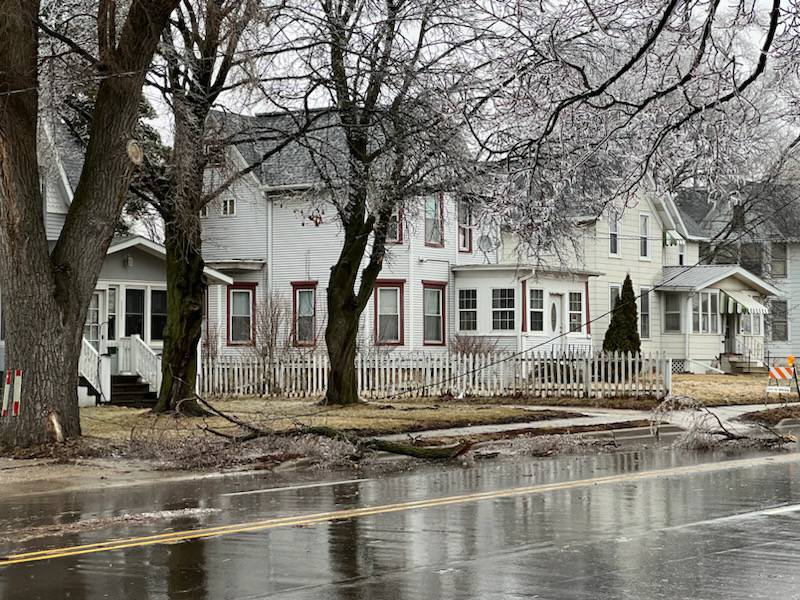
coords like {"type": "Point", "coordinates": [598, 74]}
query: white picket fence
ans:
{"type": "Point", "coordinates": [418, 374]}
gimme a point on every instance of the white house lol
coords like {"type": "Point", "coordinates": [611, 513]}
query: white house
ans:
{"type": "Point", "coordinates": [446, 279]}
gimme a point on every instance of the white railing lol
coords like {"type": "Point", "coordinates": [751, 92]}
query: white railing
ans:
{"type": "Point", "coordinates": [96, 369]}
{"type": "Point", "coordinates": [750, 346]}
{"type": "Point", "coordinates": [89, 364]}
{"type": "Point", "coordinates": [418, 374]}
{"type": "Point", "coordinates": [143, 360]}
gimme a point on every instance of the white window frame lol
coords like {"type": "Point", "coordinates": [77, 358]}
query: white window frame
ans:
{"type": "Point", "coordinates": [679, 312]}
{"type": "Point", "coordinates": [532, 310]}
{"type": "Point", "coordinates": [462, 310]}
{"type": "Point", "coordinates": [203, 211]}
{"type": "Point", "coordinates": [681, 253]}
{"type": "Point", "coordinates": [644, 294]}
{"type": "Point", "coordinates": [611, 288]}
{"type": "Point", "coordinates": [464, 228]}
{"type": "Point", "coordinates": [512, 309]}
{"type": "Point", "coordinates": [112, 312]}
{"type": "Point", "coordinates": [614, 234]}
{"type": "Point", "coordinates": [399, 291]}
{"type": "Point", "coordinates": [707, 319]}
{"type": "Point", "coordinates": [231, 293]}
{"type": "Point", "coordinates": [227, 207]}
{"type": "Point", "coordinates": [150, 315]}
{"type": "Point", "coordinates": [644, 219]}
{"type": "Point", "coordinates": [571, 312]}
{"type": "Point", "coordinates": [439, 216]}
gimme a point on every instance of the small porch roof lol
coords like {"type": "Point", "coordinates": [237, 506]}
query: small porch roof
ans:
{"type": "Point", "coordinates": [526, 271]}
{"type": "Point", "coordinates": [157, 250]}
{"type": "Point", "coordinates": [694, 278]}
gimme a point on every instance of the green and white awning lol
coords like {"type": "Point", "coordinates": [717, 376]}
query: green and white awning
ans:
{"type": "Point", "coordinates": [741, 302]}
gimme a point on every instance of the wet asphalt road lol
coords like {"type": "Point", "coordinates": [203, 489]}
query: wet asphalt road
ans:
{"type": "Point", "coordinates": [720, 533]}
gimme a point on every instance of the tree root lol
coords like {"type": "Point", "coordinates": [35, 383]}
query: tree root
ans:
{"type": "Point", "coordinates": [251, 432]}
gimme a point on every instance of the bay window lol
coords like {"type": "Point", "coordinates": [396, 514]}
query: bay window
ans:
{"type": "Point", "coordinates": [503, 309]}
{"type": "Point", "coordinates": [536, 298]}
{"type": "Point", "coordinates": [705, 312]}
{"type": "Point", "coordinates": [468, 310]}
{"type": "Point", "coordinates": [575, 312]}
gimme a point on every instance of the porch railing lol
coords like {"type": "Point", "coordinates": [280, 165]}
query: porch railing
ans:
{"type": "Point", "coordinates": [750, 347]}
{"type": "Point", "coordinates": [95, 369]}
{"type": "Point", "coordinates": [135, 356]}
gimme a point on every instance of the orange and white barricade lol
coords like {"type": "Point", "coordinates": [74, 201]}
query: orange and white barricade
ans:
{"type": "Point", "coordinates": [781, 378]}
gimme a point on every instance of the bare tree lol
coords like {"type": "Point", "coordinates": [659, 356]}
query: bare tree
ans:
{"type": "Point", "coordinates": [391, 71]}
{"type": "Point", "coordinates": [46, 294]}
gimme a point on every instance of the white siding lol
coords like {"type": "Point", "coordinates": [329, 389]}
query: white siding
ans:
{"type": "Point", "coordinates": [239, 236]}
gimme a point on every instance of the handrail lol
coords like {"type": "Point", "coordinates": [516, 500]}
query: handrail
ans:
{"type": "Point", "coordinates": [145, 362]}
{"type": "Point", "coordinates": [89, 364]}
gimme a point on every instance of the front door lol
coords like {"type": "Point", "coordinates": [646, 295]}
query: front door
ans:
{"type": "Point", "coordinates": [730, 333]}
{"type": "Point", "coordinates": [556, 319]}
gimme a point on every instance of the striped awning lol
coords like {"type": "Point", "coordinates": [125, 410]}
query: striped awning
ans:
{"type": "Point", "coordinates": [741, 302]}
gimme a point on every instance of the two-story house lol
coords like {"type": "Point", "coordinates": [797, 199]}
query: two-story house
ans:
{"type": "Point", "coordinates": [446, 279]}
{"type": "Point", "coordinates": [755, 227]}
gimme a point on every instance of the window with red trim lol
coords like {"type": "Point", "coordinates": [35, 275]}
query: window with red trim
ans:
{"type": "Point", "coordinates": [304, 313]}
{"type": "Point", "coordinates": [389, 309]}
{"type": "Point", "coordinates": [434, 230]}
{"type": "Point", "coordinates": [433, 311]}
{"type": "Point", "coordinates": [241, 313]}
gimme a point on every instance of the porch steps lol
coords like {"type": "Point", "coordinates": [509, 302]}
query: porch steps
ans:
{"type": "Point", "coordinates": [131, 391]}
{"type": "Point", "coordinates": [741, 365]}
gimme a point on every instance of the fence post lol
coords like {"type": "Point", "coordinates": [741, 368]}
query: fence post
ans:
{"type": "Point", "coordinates": [668, 378]}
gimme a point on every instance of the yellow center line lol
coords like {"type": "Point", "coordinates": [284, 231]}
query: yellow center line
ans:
{"type": "Point", "coordinates": [316, 518]}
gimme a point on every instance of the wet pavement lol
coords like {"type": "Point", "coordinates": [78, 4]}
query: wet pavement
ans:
{"type": "Point", "coordinates": [654, 528]}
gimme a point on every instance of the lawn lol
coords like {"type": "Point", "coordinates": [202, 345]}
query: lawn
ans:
{"type": "Point", "coordinates": [772, 416]}
{"type": "Point", "coordinates": [368, 419]}
{"type": "Point", "coordinates": [718, 390]}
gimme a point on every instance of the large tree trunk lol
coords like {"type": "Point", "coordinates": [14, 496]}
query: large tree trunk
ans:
{"type": "Point", "coordinates": [341, 336]}
{"type": "Point", "coordinates": [185, 297]}
{"type": "Point", "coordinates": [46, 295]}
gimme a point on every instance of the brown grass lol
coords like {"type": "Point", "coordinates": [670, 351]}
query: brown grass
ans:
{"type": "Point", "coordinates": [772, 416]}
{"type": "Point", "coordinates": [719, 390]}
{"type": "Point", "coordinates": [111, 422]}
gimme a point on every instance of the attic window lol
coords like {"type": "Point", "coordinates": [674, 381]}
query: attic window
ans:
{"type": "Point", "coordinates": [214, 155]}
{"type": "Point", "coordinates": [228, 207]}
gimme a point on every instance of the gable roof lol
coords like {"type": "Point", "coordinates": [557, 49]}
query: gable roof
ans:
{"type": "Point", "coordinates": [118, 244]}
{"type": "Point", "coordinates": [698, 277]}
{"type": "Point", "coordinates": [773, 210]}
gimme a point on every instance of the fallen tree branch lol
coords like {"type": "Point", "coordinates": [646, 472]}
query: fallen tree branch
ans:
{"type": "Point", "coordinates": [375, 444]}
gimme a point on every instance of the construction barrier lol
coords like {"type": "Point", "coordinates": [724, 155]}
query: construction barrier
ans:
{"type": "Point", "coordinates": [12, 393]}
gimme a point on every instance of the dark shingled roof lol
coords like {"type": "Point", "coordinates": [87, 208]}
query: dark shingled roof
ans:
{"type": "Point", "coordinates": [296, 163]}
{"type": "Point", "coordinates": [772, 210]}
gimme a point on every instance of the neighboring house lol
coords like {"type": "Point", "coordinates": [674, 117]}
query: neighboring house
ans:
{"type": "Point", "coordinates": [757, 228]}
{"type": "Point", "coordinates": [449, 283]}
{"type": "Point", "coordinates": [443, 284]}
{"type": "Point", "coordinates": [128, 310]}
